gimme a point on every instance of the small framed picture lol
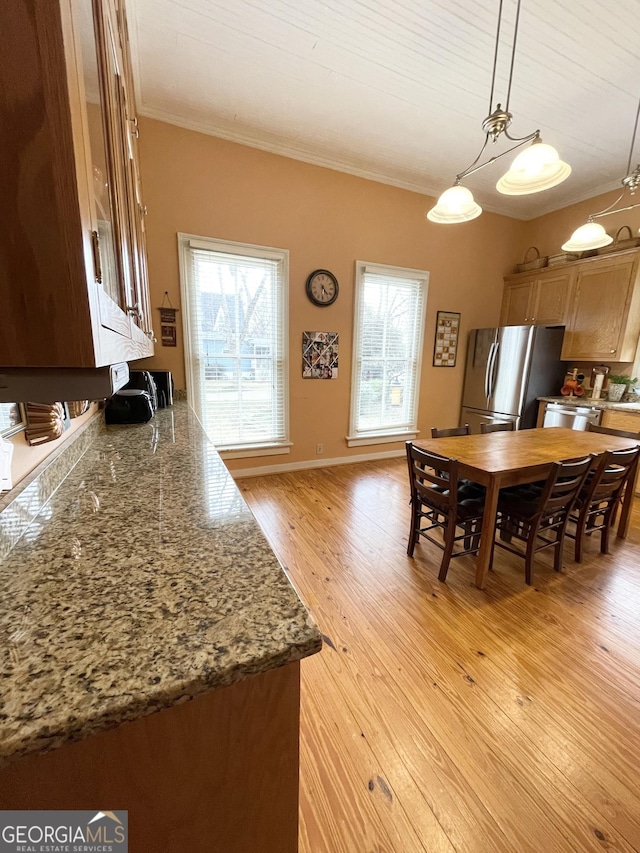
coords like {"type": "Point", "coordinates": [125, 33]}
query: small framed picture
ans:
{"type": "Point", "coordinates": [168, 315]}
{"type": "Point", "coordinates": [168, 336]}
{"type": "Point", "coordinates": [445, 347]}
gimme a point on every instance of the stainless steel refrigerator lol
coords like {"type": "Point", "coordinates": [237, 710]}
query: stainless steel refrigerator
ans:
{"type": "Point", "coordinates": [507, 369]}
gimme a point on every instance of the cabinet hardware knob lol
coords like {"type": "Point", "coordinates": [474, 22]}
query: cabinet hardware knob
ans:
{"type": "Point", "coordinates": [612, 351]}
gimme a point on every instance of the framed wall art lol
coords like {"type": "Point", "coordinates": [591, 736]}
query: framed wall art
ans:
{"type": "Point", "coordinates": [445, 348]}
{"type": "Point", "coordinates": [168, 336]}
{"type": "Point", "coordinates": [320, 355]}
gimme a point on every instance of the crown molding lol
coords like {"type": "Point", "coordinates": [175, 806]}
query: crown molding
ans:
{"type": "Point", "coordinates": [283, 149]}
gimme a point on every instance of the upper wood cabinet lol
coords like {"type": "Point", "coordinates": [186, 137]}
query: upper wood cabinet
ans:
{"type": "Point", "coordinates": [604, 319]}
{"type": "Point", "coordinates": [73, 273]}
{"type": "Point", "coordinates": [596, 299]}
{"type": "Point", "coordinates": [539, 298]}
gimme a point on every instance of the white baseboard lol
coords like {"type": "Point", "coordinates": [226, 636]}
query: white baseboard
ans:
{"type": "Point", "coordinates": [285, 467]}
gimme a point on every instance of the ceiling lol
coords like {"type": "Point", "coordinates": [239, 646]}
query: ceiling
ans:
{"type": "Point", "coordinates": [396, 90]}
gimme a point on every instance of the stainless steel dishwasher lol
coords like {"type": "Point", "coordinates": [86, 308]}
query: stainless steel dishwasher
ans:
{"type": "Point", "coordinates": [573, 417]}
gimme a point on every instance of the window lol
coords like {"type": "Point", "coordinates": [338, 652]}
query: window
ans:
{"type": "Point", "coordinates": [387, 352]}
{"type": "Point", "coordinates": [235, 301]}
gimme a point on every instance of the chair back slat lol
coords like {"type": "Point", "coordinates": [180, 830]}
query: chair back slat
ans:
{"type": "Point", "coordinates": [563, 486]}
{"type": "Point", "coordinates": [621, 433]}
{"type": "Point", "coordinates": [508, 426]}
{"type": "Point", "coordinates": [610, 476]}
{"type": "Point", "coordinates": [450, 431]}
{"type": "Point", "coordinates": [433, 477]}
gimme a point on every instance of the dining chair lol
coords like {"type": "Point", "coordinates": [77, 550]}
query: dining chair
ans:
{"type": "Point", "coordinates": [539, 518]}
{"type": "Point", "coordinates": [598, 501]}
{"type": "Point", "coordinates": [440, 502]}
{"type": "Point", "coordinates": [450, 431]}
{"type": "Point", "coordinates": [507, 426]}
{"type": "Point", "coordinates": [622, 433]}
{"type": "Point", "coordinates": [453, 431]}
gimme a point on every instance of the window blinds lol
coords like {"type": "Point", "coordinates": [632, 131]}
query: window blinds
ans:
{"type": "Point", "coordinates": [236, 346]}
{"type": "Point", "coordinates": [389, 321]}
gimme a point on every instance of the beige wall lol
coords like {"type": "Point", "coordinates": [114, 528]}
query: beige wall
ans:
{"type": "Point", "coordinates": [202, 185]}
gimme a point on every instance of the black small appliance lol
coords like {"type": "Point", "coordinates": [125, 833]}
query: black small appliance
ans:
{"type": "Point", "coordinates": [143, 380]}
{"type": "Point", "coordinates": [129, 406]}
{"type": "Point", "coordinates": [164, 384]}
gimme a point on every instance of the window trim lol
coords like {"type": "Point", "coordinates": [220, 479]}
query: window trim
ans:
{"type": "Point", "coordinates": [384, 436]}
{"type": "Point", "coordinates": [231, 247]}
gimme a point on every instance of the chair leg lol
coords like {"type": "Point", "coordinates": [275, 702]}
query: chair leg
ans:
{"type": "Point", "coordinates": [557, 550]}
{"type": "Point", "coordinates": [530, 554]}
{"type": "Point", "coordinates": [604, 537]}
{"type": "Point", "coordinates": [581, 524]}
{"type": "Point", "coordinates": [448, 551]}
{"type": "Point", "coordinates": [413, 535]}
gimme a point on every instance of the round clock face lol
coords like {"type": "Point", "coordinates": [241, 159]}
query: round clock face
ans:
{"type": "Point", "coordinates": [322, 287]}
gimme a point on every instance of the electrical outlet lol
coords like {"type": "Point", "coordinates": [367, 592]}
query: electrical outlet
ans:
{"type": "Point", "coordinates": [319, 448]}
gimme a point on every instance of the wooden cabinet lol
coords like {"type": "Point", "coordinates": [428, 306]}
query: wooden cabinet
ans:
{"type": "Point", "coordinates": [539, 299]}
{"type": "Point", "coordinates": [73, 274]}
{"type": "Point", "coordinates": [596, 299]}
{"type": "Point", "coordinates": [604, 320]}
{"type": "Point", "coordinates": [182, 773]}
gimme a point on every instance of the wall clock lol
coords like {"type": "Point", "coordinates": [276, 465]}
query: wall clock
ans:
{"type": "Point", "coordinates": [322, 288]}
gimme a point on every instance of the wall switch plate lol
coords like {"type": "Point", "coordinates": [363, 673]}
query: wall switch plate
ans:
{"type": "Point", "coordinates": [319, 448]}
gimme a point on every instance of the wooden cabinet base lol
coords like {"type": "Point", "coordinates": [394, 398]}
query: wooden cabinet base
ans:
{"type": "Point", "coordinates": [219, 773]}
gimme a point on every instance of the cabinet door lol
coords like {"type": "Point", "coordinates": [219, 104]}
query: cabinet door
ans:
{"type": "Point", "coordinates": [599, 313]}
{"type": "Point", "coordinates": [516, 303]}
{"type": "Point", "coordinates": [137, 209]}
{"type": "Point", "coordinates": [550, 299]}
{"type": "Point", "coordinates": [104, 178]}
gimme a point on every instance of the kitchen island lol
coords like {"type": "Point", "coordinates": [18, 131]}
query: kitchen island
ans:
{"type": "Point", "coordinates": [149, 650]}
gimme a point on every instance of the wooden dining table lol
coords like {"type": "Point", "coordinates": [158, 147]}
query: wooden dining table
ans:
{"type": "Point", "coordinates": [502, 459]}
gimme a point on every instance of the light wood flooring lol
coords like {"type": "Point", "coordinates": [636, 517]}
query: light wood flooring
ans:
{"type": "Point", "coordinates": [439, 717]}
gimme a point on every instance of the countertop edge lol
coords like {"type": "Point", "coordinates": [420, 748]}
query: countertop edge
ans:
{"type": "Point", "coordinates": [593, 404]}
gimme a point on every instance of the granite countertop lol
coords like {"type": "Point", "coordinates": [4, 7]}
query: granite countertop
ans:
{"type": "Point", "coordinates": [596, 404]}
{"type": "Point", "coordinates": [143, 582]}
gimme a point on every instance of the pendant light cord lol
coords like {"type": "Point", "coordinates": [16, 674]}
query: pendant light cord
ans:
{"type": "Point", "coordinates": [513, 52]}
{"type": "Point", "coordinates": [633, 138]}
{"type": "Point", "coordinates": [495, 59]}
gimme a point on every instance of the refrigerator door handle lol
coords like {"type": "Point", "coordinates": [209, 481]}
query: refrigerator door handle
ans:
{"type": "Point", "coordinates": [491, 369]}
{"type": "Point", "coordinates": [487, 372]}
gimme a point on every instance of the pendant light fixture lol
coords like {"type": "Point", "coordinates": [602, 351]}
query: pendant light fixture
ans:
{"type": "Point", "coordinates": [592, 235]}
{"type": "Point", "coordinates": [536, 168]}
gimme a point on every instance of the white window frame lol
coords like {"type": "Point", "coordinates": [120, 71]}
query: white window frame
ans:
{"type": "Point", "coordinates": [187, 241]}
{"type": "Point", "coordinates": [360, 437]}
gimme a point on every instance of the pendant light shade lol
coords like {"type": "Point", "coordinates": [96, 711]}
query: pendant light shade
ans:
{"type": "Point", "coordinates": [591, 235]}
{"type": "Point", "coordinates": [455, 205]}
{"type": "Point", "coordinates": [537, 168]}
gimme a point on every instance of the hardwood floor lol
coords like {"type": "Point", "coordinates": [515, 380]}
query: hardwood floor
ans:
{"type": "Point", "coordinates": [439, 717]}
